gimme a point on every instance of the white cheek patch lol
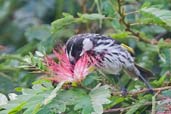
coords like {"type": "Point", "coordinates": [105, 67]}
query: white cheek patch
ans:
{"type": "Point", "coordinates": [87, 45]}
{"type": "Point", "coordinates": [71, 58]}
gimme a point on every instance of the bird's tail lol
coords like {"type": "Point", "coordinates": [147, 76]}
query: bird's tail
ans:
{"type": "Point", "coordinates": [142, 74]}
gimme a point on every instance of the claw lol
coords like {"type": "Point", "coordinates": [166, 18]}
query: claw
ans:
{"type": "Point", "coordinates": [150, 90]}
{"type": "Point", "coordinates": [124, 91]}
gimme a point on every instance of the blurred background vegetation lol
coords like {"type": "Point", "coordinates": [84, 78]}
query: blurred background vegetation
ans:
{"type": "Point", "coordinates": [30, 25]}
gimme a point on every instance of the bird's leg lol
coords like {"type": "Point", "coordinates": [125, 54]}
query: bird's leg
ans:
{"type": "Point", "coordinates": [122, 87]}
{"type": "Point", "coordinates": [147, 84]}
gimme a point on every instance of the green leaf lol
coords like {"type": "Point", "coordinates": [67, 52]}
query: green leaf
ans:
{"type": "Point", "coordinates": [18, 108]}
{"type": "Point", "coordinates": [8, 85]}
{"type": "Point", "coordinates": [93, 16]}
{"type": "Point", "coordinates": [31, 100]}
{"type": "Point", "coordinates": [63, 99]}
{"type": "Point", "coordinates": [120, 35]}
{"type": "Point", "coordinates": [136, 106]}
{"type": "Point", "coordinates": [164, 44]}
{"type": "Point", "coordinates": [90, 80]}
{"type": "Point", "coordinates": [160, 81]}
{"type": "Point", "coordinates": [114, 101]}
{"type": "Point", "coordinates": [150, 48]}
{"type": "Point", "coordinates": [118, 27]}
{"type": "Point", "coordinates": [4, 9]}
{"type": "Point", "coordinates": [38, 32]}
{"type": "Point", "coordinates": [157, 16]}
{"type": "Point", "coordinates": [80, 100]}
{"type": "Point", "coordinates": [53, 93]}
{"type": "Point", "coordinates": [165, 56]}
{"type": "Point", "coordinates": [108, 8]}
{"type": "Point", "coordinates": [3, 99]}
{"type": "Point", "coordinates": [61, 23]}
{"type": "Point", "coordinates": [167, 93]}
{"type": "Point", "coordinates": [99, 96]}
{"type": "Point", "coordinates": [33, 63]}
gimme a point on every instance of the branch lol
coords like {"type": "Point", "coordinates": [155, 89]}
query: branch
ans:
{"type": "Point", "coordinates": [127, 25]}
{"type": "Point", "coordinates": [142, 91]}
{"type": "Point", "coordinates": [157, 90]}
{"type": "Point", "coordinates": [123, 109]}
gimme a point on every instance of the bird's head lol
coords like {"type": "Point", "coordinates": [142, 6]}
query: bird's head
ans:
{"type": "Point", "coordinates": [77, 46]}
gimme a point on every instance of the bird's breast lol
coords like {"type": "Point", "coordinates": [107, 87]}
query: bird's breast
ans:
{"type": "Point", "coordinates": [108, 63]}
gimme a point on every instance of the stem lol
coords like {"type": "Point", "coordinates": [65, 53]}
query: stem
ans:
{"type": "Point", "coordinates": [8, 56]}
{"type": "Point", "coordinates": [143, 91]}
{"type": "Point", "coordinates": [83, 6]}
{"type": "Point", "coordinates": [132, 12]}
{"type": "Point", "coordinates": [99, 11]}
{"type": "Point", "coordinates": [127, 25]}
{"type": "Point", "coordinates": [123, 109]}
{"type": "Point", "coordinates": [153, 103]}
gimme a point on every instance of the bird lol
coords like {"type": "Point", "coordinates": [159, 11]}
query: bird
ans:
{"type": "Point", "coordinates": [111, 56]}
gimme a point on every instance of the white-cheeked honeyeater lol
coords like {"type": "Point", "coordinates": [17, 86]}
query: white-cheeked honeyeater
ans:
{"type": "Point", "coordinates": [111, 56]}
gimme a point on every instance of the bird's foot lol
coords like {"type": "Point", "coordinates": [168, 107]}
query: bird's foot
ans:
{"type": "Point", "coordinates": [150, 90]}
{"type": "Point", "coordinates": [124, 91]}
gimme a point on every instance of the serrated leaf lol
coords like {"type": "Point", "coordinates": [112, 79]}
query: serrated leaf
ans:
{"type": "Point", "coordinates": [99, 96]}
{"type": "Point", "coordinates": [90, 80]}
{"type": "Point", "coordinates": [53, 93]}
{"type": "Point", "coordinates": [85, 104]}
{"type": "Point", "coordinates": [80, 100]}
{"type": "Point", "coordinates": [28, 99]}
{"type": "Point", "coordinates": [63, 99]}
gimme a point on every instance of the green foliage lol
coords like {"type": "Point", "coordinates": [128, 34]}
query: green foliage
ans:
{"type": "Point", "coordinates": [39, 100]}
{"type": "Point", "coordinates": [38, 32]}
{"type": "Point", "coordinates": [69, 19]}
{"type": "Point", "coordinates": [157, 16]}
{"type": "Point", "coordinates": [31, 29]}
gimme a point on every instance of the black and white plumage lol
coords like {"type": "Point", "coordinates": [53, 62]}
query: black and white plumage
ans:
{"type": "Point", "coordinates": [111, 56]}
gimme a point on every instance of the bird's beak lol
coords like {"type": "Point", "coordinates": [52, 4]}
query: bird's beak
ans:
{"type": "Point", "coordinates": [83, 51]}
{"type": "Point", "coordinates": [72, 62]}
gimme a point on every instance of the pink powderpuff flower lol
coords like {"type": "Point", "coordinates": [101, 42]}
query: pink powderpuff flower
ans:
{"type": "Point", "coordinates": [64, 71]}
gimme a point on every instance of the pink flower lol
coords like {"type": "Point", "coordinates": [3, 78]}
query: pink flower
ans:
{"type": "Point", "coordinates": [65, 71]}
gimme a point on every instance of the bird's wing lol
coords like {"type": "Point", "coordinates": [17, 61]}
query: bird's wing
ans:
{"type": "Point", "coordinates": [129, 49]}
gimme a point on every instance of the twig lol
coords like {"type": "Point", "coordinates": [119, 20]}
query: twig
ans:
{"type": "Point", "coordinates": [159, 36]}
{"type": "Point", "coordinates": [117, 109]}
{"type": "Point", "coordinates": [131, 12]}
{"type": "Point", "coordinates": [123, 109]}
{"type": "Point", "coordinates": [83, 6]}
{"type": "Point", "coordinates": [92, 7]}
{"type": "Point", "coordinates": [127, 25]}
{"type": "Point", "coordinates": [158, 90]}
{"type": "Point", "coordinates": [154, 103]}
{"type": "Point", "coordinates": [142, 91]}
{"type": "Point", "coordinates": [99, 11]}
